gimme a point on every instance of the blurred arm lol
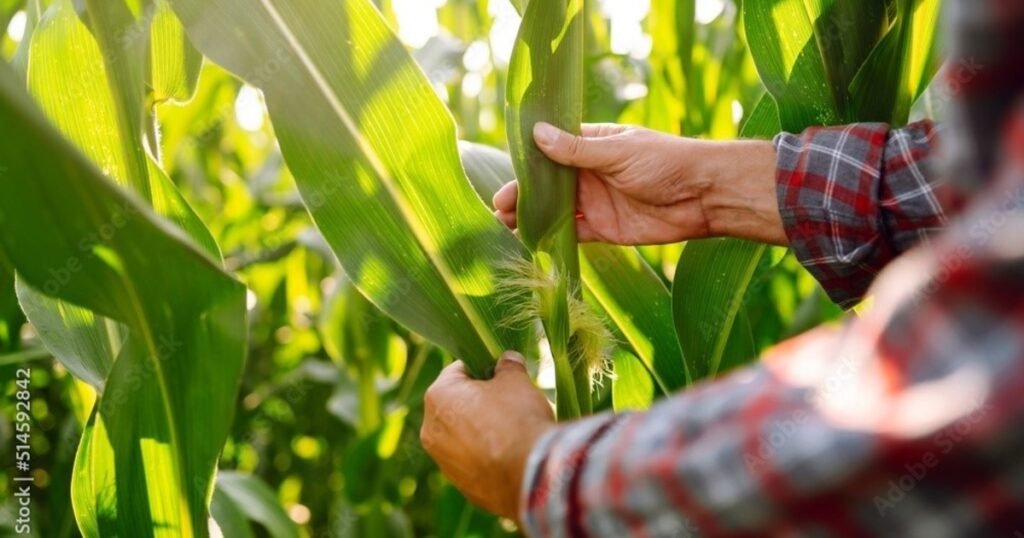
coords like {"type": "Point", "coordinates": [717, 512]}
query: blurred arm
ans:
{"type": "Point", "coordinates": [907, 422]}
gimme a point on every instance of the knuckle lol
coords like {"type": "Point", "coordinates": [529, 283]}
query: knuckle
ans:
{"type": "Point", "coordinates": [430, 398]}
{"type": "Point", "coordinates": [577, 145]}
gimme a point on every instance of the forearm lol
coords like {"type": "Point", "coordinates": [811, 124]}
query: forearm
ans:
{"type": "Point", "coordinates": [740, 199]}
{"type": "Point", "coordinates": [848, 200]}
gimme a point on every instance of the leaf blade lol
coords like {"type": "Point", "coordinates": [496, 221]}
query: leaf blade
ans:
{"type": "Point", "coordinates": [427, 258]}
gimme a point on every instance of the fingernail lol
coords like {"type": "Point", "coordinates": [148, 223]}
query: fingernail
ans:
{"type": "Point", "coordinates": [515, 357]}
{"type": "Point", "coordinates": [545, 134]}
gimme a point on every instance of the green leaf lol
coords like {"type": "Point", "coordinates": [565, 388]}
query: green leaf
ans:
{"type": "Point", "coordinates": [129, 474]}
{"type": "Point", "coordinates": [808, 51]}
{"type": "Point", "coordinates": [251, 497]}
{"type": "Point", "coordinates": [763, 121]}
{"type": "Point", "coordinates": [122, 39]}
{"type": "Point", "coordinates": [901, 66]}
{"type": "Point", "coordinates": [636, 302]}
{"type": "Point", "coordinates": [83, 107]}
{"type": "Point", "coordinates": [712, 279]}
{"type": "Point", "coordinates": [147, 457]}
{"type": "Point", "coordinates": [175, 62]}
{"type": "Point", "coordinates": [230, 518]}
{"type": "Point", "coordinates": [25, 355]}
{"type": "Point", "coordinates": [545, 84]}
{"type": "Point", "coordinates": [84, 342]}
{"type": "Point", "coordinates": [456, 516]}
{"type": "Point", "coordinates": [632, 388]}
{"type": "Point", "coordinates": [710, 283]}
{"type": "Point", "coordinates": [33, 12]}
{"type": "Point", "coordinates": [11, 318]}
{"type": "Point", "coordinates": [80, 92]}
{"type": "Point", "coordinates": [520, 5]}
{"type": "Point", "coordinates": [374, 153]}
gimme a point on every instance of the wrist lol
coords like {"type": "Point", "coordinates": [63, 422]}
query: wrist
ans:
{"type": "Point", "coordinates": [740, 200]}
{"type": "Point", "coordinates": [520, 467]}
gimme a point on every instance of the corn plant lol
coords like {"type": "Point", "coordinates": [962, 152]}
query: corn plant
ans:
{"type": "Point", "coordinates": [546, 84]}
{"type": "Point", "coordinates": [126, 286]}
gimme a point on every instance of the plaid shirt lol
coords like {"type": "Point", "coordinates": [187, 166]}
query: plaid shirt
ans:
{"type": "Point", "coordinates": [908, 421]}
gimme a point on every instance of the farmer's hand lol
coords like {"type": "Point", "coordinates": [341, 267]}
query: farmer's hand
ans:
{"type": "Point", "coordinates": [637, 186]}
{"type": "Point", "coordinates": [481, 433]}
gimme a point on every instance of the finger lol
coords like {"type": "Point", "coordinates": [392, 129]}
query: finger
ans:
{"type": "Point", "coordinates": [453, 373]}
{"type": "Point", "coordinates": [511, 363]}
{"type": "Point", "coordinates": [509, 219]}
{"type": "Point", "coordinates": [585, 233]}
{"type": "Point", "coordinates": [507, 197]}
{"type": "Point", "coordinates": [602, 130]}
{"type": "Point", "coordinates": [570, 150]}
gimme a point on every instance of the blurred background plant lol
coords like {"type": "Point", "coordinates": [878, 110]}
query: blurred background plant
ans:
{"type": "Point", "coordinates": [324, 441]}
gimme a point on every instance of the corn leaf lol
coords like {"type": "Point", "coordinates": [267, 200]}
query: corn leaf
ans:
{"type": "Point", "coordinates": [174, 74]}
{"type": "Point", "coordinates": [33, 12]}
{"type": "Point", "coordinates": [632, 388]}
{"type": "Point", "coordinates": [229, 517]}
{"type": "Point", "coordinates": [899, 69]}
{"type": "Point", "coordinates": [78, 88]}
{"type": "Point", "coordinates": [11, 317]}
{"type": "Point", "coordinates": [712, 278]}
{"type": "Point", "coordinates": [545, 83]}
{"type": "Point", "coordinates": [808, 54]}
{"type": "Point", "coordinates": [635, 301]}
{"type": "Point", "coordinates": [617, 282]}
{"type": "Point", "coordinates": [83, 341]}
{"type": "Point", "coordinates": [808, 51]}
{"type": "Point", "coordinates": [147, 457]}
{"type": "Point", "coordinates": [374, 153]}
{"type": "Point", "coordinates": [520, 5]}
{"type": "Point", "coordinates": [248, 497]}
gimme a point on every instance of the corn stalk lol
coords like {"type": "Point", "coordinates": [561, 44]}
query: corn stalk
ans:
{"type": "Point", "coordinates": [546, 84]}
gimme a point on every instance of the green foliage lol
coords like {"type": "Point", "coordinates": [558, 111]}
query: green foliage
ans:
{"type": "Point", "coordinates": [177, 367]}
{"type": "Point", "coordinates": [240, 498]}
{"type": "Point", "coordinates": [814, 58]}
{"type": "Point", "coordinates": [342, 91]}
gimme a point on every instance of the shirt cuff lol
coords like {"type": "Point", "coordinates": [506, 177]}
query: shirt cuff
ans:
{"type": "Point", "coordinates": [853, 198]}
{"type": "Point", "coordinates": [547, 499]}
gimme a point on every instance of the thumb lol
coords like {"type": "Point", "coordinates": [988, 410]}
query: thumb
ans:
{"type": "Point", "coordinates": [571, 150]}
{"type": "Point", "coordinates": [510, 364]}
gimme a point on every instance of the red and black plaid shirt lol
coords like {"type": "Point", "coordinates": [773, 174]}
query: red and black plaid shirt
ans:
{"type": "Point", "coordinates": [908, 421]}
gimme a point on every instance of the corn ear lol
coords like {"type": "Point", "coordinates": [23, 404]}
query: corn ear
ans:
{"type": "Point", "coordinates": [546, 84]}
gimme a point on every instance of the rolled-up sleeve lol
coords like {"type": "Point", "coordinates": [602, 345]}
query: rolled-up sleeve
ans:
{"type": "Point", "coordinates": [853, 198]}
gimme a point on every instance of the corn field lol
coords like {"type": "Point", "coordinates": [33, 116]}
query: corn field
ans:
{"type": "Point", "coordinates": [240, 238]}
